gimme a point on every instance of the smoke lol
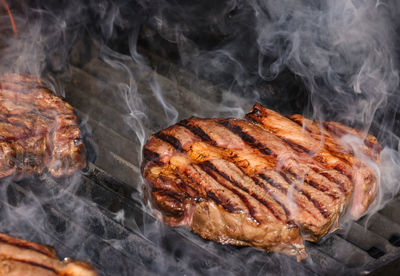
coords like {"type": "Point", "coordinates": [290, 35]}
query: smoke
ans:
{"type": "Point", "coordinates": [345, 52]}
{"type": "Point", "coordinates": [330, 60]}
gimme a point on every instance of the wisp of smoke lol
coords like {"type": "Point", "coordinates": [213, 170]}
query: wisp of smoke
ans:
{"type": "Point", "coordinates": [343, 50]}
{"type": "Point", "coordinates": [345, 53]}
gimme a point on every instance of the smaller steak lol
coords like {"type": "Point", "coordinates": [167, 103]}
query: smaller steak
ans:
{"type": "Point", "coordinates": [20, 257]}
{"type": "Point", "coordinates": [38, 130]}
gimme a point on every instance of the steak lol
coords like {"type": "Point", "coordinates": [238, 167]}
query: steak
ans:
{"type": "Point", "coordinates": [267, 181]}
{"type": "Point", "coordinates": [38, 130]}
{"type": "Point", "coordinates": [20, 257]}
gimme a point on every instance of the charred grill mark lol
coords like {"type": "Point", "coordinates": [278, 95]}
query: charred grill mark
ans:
{"type": "Point", "coordinates": [315, 202]}
{"type": "Point", "coordinates": [206, 165]}
{"type": "Point", "coordinates": [65, 128]}
{"type": "Point", "coordinates": [170, 203]}
{"type": "Point", "coordinates": [257, 113]}
{"type": "Point", "coordinates": [297, 147]}
{"type": "Point", "coordinates": [316, 185]}
{"type": "Point", "coordinates": [238, 130]}
{"type": "Point", "coordinates": [152, 156]}
{"type": "Point", "coordinates": [328, 148]}
{"type": "Point", "coordinates": [300, 148]}
{"type": "Point", "coordinates": [168, 193]}
{"type": "Point", "coordinates": [210, 169]}
{"type": "Point", "coordinates": [34, 264]}
{"type": "Point", "coordinates": [368, 141]}
{"type": "Point", "coordinates": [257, 181]}
{"type": "Point", "coordinates": [321, 188]}
{"type": "Point", "coordinates": [324, 174]}
{"type": "Point", "coordinates": [304, 126]}
{"type": "Point", "coordinates": [280, 204]}
{"type": "Point", "coordinates": [221, 201]}
{"type": "Point", "coordinates": [196, 131]}
{"type": "Point", "coordinates": [182, 186]}
{"type": "Point", "coordinates": [313, 184]}
{"type": "Point", "coordinates": [338, 168]}
{"type": "Point", "coordinates": [171, 140]}
{"type": "Point", "coordinates": [211, 173]}
{"type": "Point", "coordinates": [340, 184]}
{"type": "Point", "coordinates": [287, 179]}
{"type": "Point", "coordinates": [17, 124]}
{"type": "Point", "coordinates": [273, 183]}
{"type": "Point", "coordinates": [340, 155]}
{"type": "Point", "coordinates": [24, 246]}
{"type": "Point", "coordinates": [267, 152]}
{"type": "Point", "coordinates": [247, 138]}
{"type": "Point", "coordinates": [226, 204]}
{"type": "Point", "coordinates": [334, 152]}
{"type": "Point", "coordinates": [191, 179]}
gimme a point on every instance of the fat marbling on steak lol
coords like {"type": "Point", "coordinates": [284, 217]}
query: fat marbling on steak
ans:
{"type": "Point", "coordinates": [267, 181]}
{"type": "Point", "coordinates": [38, 130]}
{"type": "Point", "coordinates": [20, 257]}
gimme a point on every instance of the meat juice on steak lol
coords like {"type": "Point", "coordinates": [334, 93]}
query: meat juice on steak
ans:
{"type": "Point", "coordinates": [38, 130]}
{"type": "Point", "coordinates": [267, 181]}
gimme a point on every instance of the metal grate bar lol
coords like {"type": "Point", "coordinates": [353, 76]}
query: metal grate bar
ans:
{"type": "Point", "coordinates": [344, 252]}
{"type": "Point", "coordinates": [391, 210]}
{"type": "Point", "coordinates": [365, 239]}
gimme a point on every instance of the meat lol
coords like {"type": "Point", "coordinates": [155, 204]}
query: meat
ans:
{"type": "Point", "coordinates": [19, 258]}
{"type": "Point", "coordinates": [38, 130]}
{"type": "Point", "coordinates": [267, 181]}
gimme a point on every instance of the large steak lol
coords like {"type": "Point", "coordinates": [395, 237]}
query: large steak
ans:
{"type": "Point", "coordinates": [38, 130]}
{"type": "Point", "coordinates": [267, 181]}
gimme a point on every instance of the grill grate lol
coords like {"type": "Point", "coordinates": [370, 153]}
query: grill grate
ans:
{"type": "Point", "coordinates": [135, 243]}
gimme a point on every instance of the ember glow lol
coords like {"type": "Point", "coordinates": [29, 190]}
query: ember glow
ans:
{"type": "Point", "coordinates": [12, 22]}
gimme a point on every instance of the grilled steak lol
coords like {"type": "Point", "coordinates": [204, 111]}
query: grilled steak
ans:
{"type": "Point", "coordinates": [267, 181]}
{"type": "Point", "coordinates": [19, 258]}
{"type": "Point", "coordinates": [38, 130]}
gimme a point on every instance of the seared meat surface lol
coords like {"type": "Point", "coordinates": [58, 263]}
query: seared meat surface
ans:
{"type": "Point", "coordinates": [38, 130]}
{"type": "Point", "coordinates": [267, 181]}
{"type": "Point", "coordinates": [19, 258]}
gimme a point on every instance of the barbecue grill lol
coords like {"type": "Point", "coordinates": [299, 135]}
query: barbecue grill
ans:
{"type": "Point", "coordinates": [118, 233]}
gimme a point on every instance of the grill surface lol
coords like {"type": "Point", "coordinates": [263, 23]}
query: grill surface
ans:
{"type": "Point", "coordinates": [120, 236]}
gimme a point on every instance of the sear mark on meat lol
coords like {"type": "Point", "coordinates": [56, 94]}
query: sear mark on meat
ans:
{"type": "Point", "coordinates": [267, 181]}
{"type": "Point", "coordinates": [21, 257]}
{"type": "Point", "coordinates": [38, 130]}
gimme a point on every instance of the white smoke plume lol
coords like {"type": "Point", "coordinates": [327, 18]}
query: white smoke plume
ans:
{"type": "Point", "coordinates": [330, 60]}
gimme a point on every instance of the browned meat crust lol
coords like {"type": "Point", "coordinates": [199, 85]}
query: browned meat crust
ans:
{"type": "Point", "coordinates": [266, 181]}
{"type": "Point", "coordinates": [19, 257]}
{"type": "Point", "coordinates": [37, 130]}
